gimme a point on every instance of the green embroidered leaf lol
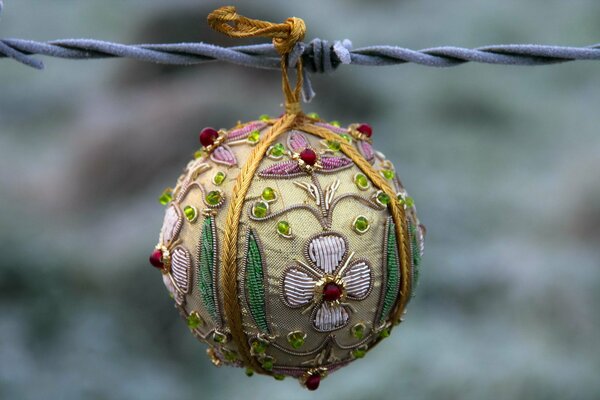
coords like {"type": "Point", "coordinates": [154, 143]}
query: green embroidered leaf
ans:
{"type": "Point", "coordinates": [206, 267]}
{"type": "Point", "coordinates": [416, 257]}
{"type": "Point", "coordinates": [255, 286]}
{"type": "Point", "coordinates": [393, 271]}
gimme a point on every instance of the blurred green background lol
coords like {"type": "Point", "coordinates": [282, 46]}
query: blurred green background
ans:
{"type": "Point", "coordinates": [503, 163]}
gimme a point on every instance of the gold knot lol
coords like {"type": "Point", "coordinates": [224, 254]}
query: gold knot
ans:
{"type": "Point", "coordinates": [297, 30]}
{"type": "Point", "coordinates": [285, 35]}
{"type": "Point", "coordinates": [293, 108]}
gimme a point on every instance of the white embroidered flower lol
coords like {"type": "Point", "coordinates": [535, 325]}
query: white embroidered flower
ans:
{"type": "Point", "coordinates": [329, 279]}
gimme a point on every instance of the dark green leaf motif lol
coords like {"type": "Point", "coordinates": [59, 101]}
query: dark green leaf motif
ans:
{"type": "Point", "coordinates": [255, 283]}
{"type": "Point", "coordinates": [392, 267]}
{"type": "Point", "coordinates": [207, 265]}
{"type": "Point", "coordinates": [416, 256]}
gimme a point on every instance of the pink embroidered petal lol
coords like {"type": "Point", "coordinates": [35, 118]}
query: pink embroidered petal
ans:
{"type": "Point", "coordinates": [297, 141]}
{"type": "Point", "coordinates": [330, 317]}
{"type": "Point", "coordinates": [243, 132]}
{"type": "Point", "coordinates": [331, 164]}
{"type": "Point", "coordinates": [171, 224]}
{"type": "Point", "coordinates": [332, 128]}
{"type": "Point", "coordinates": [181, 264]}
{"type": "Point", "coordinates": [169, 285]}
{"type": "Point", "coordinates": [223, 155]}
{"type": "Point", "coordinates": [366, 150]}
{"type": "Point", "coordinates": [298, 288]}
{"type": "Point", "coordinates": [357, 280]}
{"type": "Point", "coordinates": [281, 169]}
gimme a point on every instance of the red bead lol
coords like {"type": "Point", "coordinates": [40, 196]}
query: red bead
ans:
{"type": "Point", "coordinates": [208, 136]}
{"type": "Point", "coordinates": [156, 259]}
{"type": "Point", "coordinates": [365, 129]}
{"type": "Point", "coordinates": [308, 156]}
{"type": "Point", "coordinates": [332, 291]}
{"type": "Point", "coordinates": [313, 381]}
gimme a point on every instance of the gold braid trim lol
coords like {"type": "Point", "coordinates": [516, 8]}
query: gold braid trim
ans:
{"type": "Point", "coordinates": [229, 275]}
{"type": "Point", "coordinates": [397, 212]}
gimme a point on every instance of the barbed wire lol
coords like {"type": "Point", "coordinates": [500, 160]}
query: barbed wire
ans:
{"type": "Point", "coordinates": [318, 56]}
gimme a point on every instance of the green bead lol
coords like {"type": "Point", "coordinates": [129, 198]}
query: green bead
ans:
{"type": "Point", "coordinates": [230, 356]}
{"type": "Point", "coordinates": [259, 347]}
{"type": "Point", "coordinates": [194, 320]}
{"type": "Point", "coordinates": [383, 198]}
{"type": "Point", "coordinates": [361, 224]}
{"type": "Point", "coordinates": [346, 137]}
{"type": "Point", "coordinates": [267, 363]}
{"type": "Point", "coordinates": [283, 228]}
{"type": "Point", "coordinates": [296, 339]}
{"type": "Point", "coordinates": [219, 178]}
{"type": "Point", "coordinates": [213, 197]}
{"type": "Point", "coordinates": [254, 137]}
{"type": "Point", "coordinates": [361, 181]}
{"type": "Point", "coordinates": [165, 197]}
{"type": "Point", "coordinates": [198, 154]}
{"type": "Point", "coordinates": [219, 337]}
{"type": "Point", "coordinates": [277, 150]}
{"type": "Point", "coordinates": [359, 353]}
{"type": "Point", "coordinates": [334, 145]}
{"type": "Point", "coordinates": [260, 209]}
{"type": "Point", "coordinates": [384, 333]}
{"type": "Point", "coordinates": [313, 115]}
{"type": "Point", "coordinates": [190, 213]}
{"type": "Point", "coordinates": [358, 331]}
{"type": "Point", "coordinates": [264, 117]}
{"type": "Point", "coordinates": [387, 174]}
{"type": "Point", "coordinates": [405, 200]}
{"type": "Point", "coordinates": [268, 194]}
{"type": "Point", "coordinates": [335, 123]}
{"type": "Point", "coordinates": [249, 371]}
{"type": "Point", "coordinates": [279, 377]}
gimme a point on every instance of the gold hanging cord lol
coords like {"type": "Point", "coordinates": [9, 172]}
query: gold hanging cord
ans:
{"type": "Point", "coordinates": [285, 36]}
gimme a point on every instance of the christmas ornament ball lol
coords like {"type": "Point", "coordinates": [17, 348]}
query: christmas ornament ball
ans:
{"type": "Point", "coordinates": [290, 248]}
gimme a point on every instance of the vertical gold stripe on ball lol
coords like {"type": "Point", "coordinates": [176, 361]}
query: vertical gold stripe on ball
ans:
{"type": "Point", "coordinates": [397, 212]}
{"type": "Point", "coordinates": [229, 275]}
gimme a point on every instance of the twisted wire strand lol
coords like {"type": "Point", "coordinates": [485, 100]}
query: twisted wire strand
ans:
{"type": "Point", "coordinates": [265, 56]}
{"type": "Point", "coordinates": [318, 56]}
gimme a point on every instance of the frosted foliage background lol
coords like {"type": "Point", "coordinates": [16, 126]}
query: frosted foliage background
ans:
{"type": "Point", "coordinates": [502, 162]}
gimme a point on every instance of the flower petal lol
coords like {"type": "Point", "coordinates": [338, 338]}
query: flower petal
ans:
{"type": "Point", "coordinates": [327, 251]}
{"type": "Point", "coordinates": [181, 264]}
{"type": "Point", "coordinates": [298, 288]}
{"type": "Point", "coordinates": [244, 131]}
{"type": "Point", "coordinates": [366, 150]}
{"type": "Point", "coordinates": [330, 317]}
{"type": "Point", "coordinates": [357, 280]}
{"type": "Point", "coordinates": [335, 129]}
{"type": "Point", "coordinates": [285, 169]}
{"type": "Point", "coordinates": [169, 285]}
{"type": "Point", "coordinates": [333, 164]}
{"type": "Point", "coordinates": [297, 142]}
{"type": "Point", "coordinates": [223, 155]}
{"type": "Point", "coordinates": [171, 224]}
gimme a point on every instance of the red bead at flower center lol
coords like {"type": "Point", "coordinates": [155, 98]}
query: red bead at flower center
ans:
{"type": "Point", "coordinates": [308, 156]}
{"type": "Point", "coordinates": [312, 382]}
{"type": "Point", "coordinates": [365, 129]}
{"type": "Point", "coordinates": [332, 291]}
{"type": "Point", "coordinates": [156, 259]}
{"type": "Point", "coordinates": [208, 136]}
